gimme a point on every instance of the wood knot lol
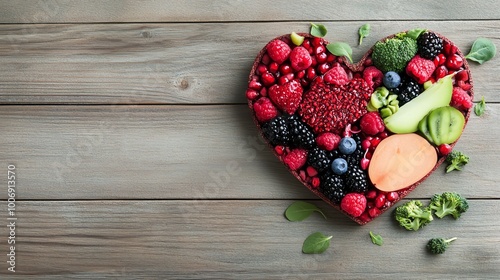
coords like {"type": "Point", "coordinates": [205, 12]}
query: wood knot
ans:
{"type": "Point", "coordinates": [146, 34]}
{"type": "Point", "coordinates": [184, 84]}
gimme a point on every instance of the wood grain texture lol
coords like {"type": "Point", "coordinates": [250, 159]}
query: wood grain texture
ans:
{"type": "Point", "coordinates": [238, 239]}
{"type": "Point", "coordinates": [61, 11]}
{"type": "Point", "coordinates": [184, 63]}
{"type": "Point", "coordinates": [172, 152]}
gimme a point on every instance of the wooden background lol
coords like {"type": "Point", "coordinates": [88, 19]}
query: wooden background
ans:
{"type": "Point", "coordinates": [136, 156]}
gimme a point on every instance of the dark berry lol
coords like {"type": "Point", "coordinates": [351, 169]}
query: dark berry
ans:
{"type": "Point", "coordinates": [347, 145]}
{"type": "Point", "coordinates": [300, 134]}
{"type": "Point", "coordinates": [407, 90]}
{"type": "Point", "coordinates": [332, 186]}
{"type": "Point", "coordinates": [356, 179]}
{"type": "Point", "coordinates": [276, 131]}
{"type": "Point", "coordinates": [429, 45]}
{"type": "Point", "coordinates": [339, 166]}
{"type": "Point", "coordinates": [318, 159]}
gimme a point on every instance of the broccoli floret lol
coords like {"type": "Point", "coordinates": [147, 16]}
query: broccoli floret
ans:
{"type": "Point", "coordinates": [393, 54]}
{"type": "Point", "coordinates": [456, 160]}
{"type": "Point", "coordinates": [413, 215]}
{"type": "Point", "coordinates": [439, 245]}
{"type": "Point", "coordinates": [449, 203]}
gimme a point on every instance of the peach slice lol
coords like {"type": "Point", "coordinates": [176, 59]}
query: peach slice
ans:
{"type": "Point", "coordinates": [400, 161]}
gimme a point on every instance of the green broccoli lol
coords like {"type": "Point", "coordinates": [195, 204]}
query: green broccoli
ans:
{"type": "Point", "coordinates": [393, 54]}
{"type": "Point", "coordinates": [439, 245]}
{"type": "Point", "coordinates": [456, 160]}
{"type": "Point", "coordinates": [413, 215]}
{"type": "Point", "coordinates": [449, 203]}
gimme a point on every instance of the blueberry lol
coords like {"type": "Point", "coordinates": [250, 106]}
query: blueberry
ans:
{"type": "Point", "coordinates": [339, 166]}
{"type": "Point", "coordinates": [347, 145]}
{"type": "Point", "coordinates": [391, 79]}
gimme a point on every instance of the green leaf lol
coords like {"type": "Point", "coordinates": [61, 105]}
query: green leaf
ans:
{"type": "Point", "coordinates": [415, 33]}
{"type": "Point", "coordinates": [363, 32]}
{"type": "Point", "coordinates": [299, 211]}
{"type": "Point", "coordinates": [340, 49]}
{"type": "Point", "coordinates": [376, 239]}
{"type": "Point", "coordinates": [480, 107]}
{"type": "Point", "coordinates": [318, 30]}
{"type": "Point", "coordinates": [482, 50]}
{"type": "Point", "coordinates": [316, 243]}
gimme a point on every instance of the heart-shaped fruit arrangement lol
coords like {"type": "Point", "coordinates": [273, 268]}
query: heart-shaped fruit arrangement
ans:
{"type": "Point", "coordinates": [361, 136]}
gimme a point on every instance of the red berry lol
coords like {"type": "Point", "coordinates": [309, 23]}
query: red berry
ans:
{"type": "Point", "coordinates": [317, 41]}
{"type": "Point", "coordinates": [267, 79]}
{"type": "Point", "coordinates": [353, 204]}
{"type": "Point", "coordinates": [301, 74]}
{"type": "Point", "coordinates": [454, 62]}
{"type": "Point", "coordinates": [383, 135]}
{"type": "Point", "coordinates": [300, 59]}
{"type": "Point", "coordinates": [302, 175]}
{"type": "Point", "coordinates": [444, 149]}
{"type": "Point", "coordinates": [264, 110]}
{"type": "Point", "coordinates": [254, 85]}
{"type": "Point", "coordinates": [460, 99]}
{"type": "Point", "coordinates": [375, 141]}
{"type": "Point", "coordinates": [380, 200]}
{"type": "Point", "coordinates": [449, 49]}
{"type": "Point", "coordinates": [337, 76]}
{"type": "Point", "coordinates": [321, 58]}
{"type": "Point", "coordinates": [285, 69]}
{"type": "Point", "coordinates": [311, 171]}
{"type": "Point", "coordinates": [315, 182]}
{"type": "Point", "coordinates": [323, 68]}
{"type": "Point", "coordinates": [365, 144]}
{"type": "Point", "coordinates": [263, 91]}
{"type": "Point", "coordinates": [280, 150]}
{"type": "Point", "coordinates": [295, 159]}
{"type": "Point", "coordinates": [440, 72]}
{"type": "Point", "coordinates": [310, 73]}
{"type": "Point", "coordinates": [373, 76]}
{"type": "Point", "coordinates": [273, 67]}
{"type": "Point", "coordinates": [420, 69]}
{"type": "Point", "coordinates": [463, 85]}
{"type": "Point", "coordinates": [462, 76]}
{"type": "Point", "coordinates": [252, 94]}
{"type": "Point", "coordinates": [328, 141]}
{"type": "Point", "coordinates": [364, 217]}
{"type": "Point", "coordinates": [319, 50]}
{"type": "Point", "coordinates": [372, 123]}
{"type": "Point", "coordinates": [330, 58]}
{"type": "Point", "coordinates": [261, 69]}
{"type": "Point", "coordinates": [278, 50]}
{"type": "Point", "coordinates": [287, 96]}
{"type": "Point", "coordinates": [374, 212]}
{"type": "Point", "coordinates": [371, 194]}
{"type": "Point", "coordinates": [392, 196]}
{"type": "Point", "coordinates": [364, 163]}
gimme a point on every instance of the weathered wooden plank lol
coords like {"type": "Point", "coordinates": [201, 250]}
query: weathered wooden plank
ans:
{"type": "Point", "coordinates": [237, 239]}
{"type": "Point", "coordinates": [175, 63]}
{"type": "Point", "coordinates": [198, 152]}
{"type": "Point", "coordinates": [62, 11]}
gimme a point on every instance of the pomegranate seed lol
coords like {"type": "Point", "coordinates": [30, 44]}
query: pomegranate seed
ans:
{"type": "Point", "coordinates": [380, 200]}
{"type": "Point", "coordinates": [314, 61]}
{"type": "Point", "coordinates": [383, 135]}
{"type": "Point", "coordinates": [267, 79]}
{"type": "Point", "coordinates": [364, 217]}
{"type": "Point", "coordinates": [279, 150]}
{"type": "Point", "coordinates": [370, 205]}
{"type": "Point", "coordinates": [285, 69]}
{"type": "Point", "coordinates": [330, 58]}
{"type": "Point", "coordinates": [368, 62]}
{"type": "Point", "coordinates": [444, 149]}
{"type": "Point", "coordinates": [321, 58]}
{"type": "Point", "coordinates": [255, 85]}
{"type": "Point", "coordinates": [302, 175]}
{"type": "Point", "coordinates": [283, 80]}
{"type": "Point", "coordinates": [306, 44]}
{"type": "Point", "coordinates": [358, 75]}
{"type": "Point", "coordinates": [371, 194]}
{"type": "Point", "coordinates": [392, 196]}
{"type": "Point", "coordinates": [454, 62]}
{"type": "Point", "coordinates": [263, 91]}
{"type": "Point", "coordinates": [323, 68]}
{"type": "Point", "coordinates": [319, 50]}
{"type": "Point", "coordinates": [440, 72]}
{"type": "Point", "coordinates": [364, 163]}
{"type": "Point", "coordinates": [442, 59]}
{"type": "Point", "coordinates": [311, 73]}
{"type": "Point", "coordinates": [273, 67]}
{"type": "Point", "coordinates": [462, 76]}
{"type": "Point", "coordinates": [310, 50]}
{"type": "Point", "coordinates": [266, 59]}
{"type": "Point", "coordinates": [464, 85]}
{"type": "Point", "coordinates": [375, 141]}
{"type": "Point", "coordinates": [252, 94]}
{"type": "Point", "coordinates": [369, 155]}
{"type": "Point", "coordinates": [365, 144]}
{"type": "Point", "coordinates": [315, 182]}
{"type": "Point", "coordinates": [316, 41]}
{"type": "Point", "coordinates": [436, 61]}
{"type": "Point", "coordinates": [261, 69]}
{"type": "Point", "coordinates": [374, 212]}
{"type": "Point", "coordinates": [311, 171]}
{"type": "Point", "coordinates": [301, 74]}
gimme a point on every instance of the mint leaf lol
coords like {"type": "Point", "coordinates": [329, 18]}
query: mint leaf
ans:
{"type": "Point", "coordinates": [480, 107]}
{"type": "Point", "coordinates": [415, 33]}
{"type": "Point", "coordinates": [363, 32]}
{"type": "Point", "coordinates": [340, 49]}
{"type": "Point", "coordinates": [316, 243]}
{"type": "Point", "coordinates": [482, 50]}
{"type": "Point", "coordinates": [376, 239]}
{"type": "Point", "coordinates": [318, 30]}
{"type": "Point", "coordinates": [299, 211]}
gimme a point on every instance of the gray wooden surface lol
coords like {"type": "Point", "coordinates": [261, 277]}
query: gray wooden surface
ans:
{"type": "Point", "coordinates": [136, 156]}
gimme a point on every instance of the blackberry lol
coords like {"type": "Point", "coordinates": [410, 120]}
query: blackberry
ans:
{"type": "Point", "coordinates": [300, 134]}
{"type": "Point", "coordinates": [332, 186]}
{"type": "Point", "coordinates": [407, 90]}
{"type": "Point", "coordinates": [429, 45]}
{"type": "Point", "coordinates": [276, 131]}
{"type": "Point", "coordinates": [356, 179]}
{"type": "Point", "coordinates": [318, 159]}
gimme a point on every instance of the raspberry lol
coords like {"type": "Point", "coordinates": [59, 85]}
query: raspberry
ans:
{"type": "Point", "coordinates": [295, 159]}
{"type": "Point", "coordinates": [300, 59]}
{"type": "Point", "coordinates": [264, 109]}
{"type": "Point", "coordinates": [336, 75]}
{"type": "Point", "coordinates": [460, 99]}
{"type": "Point", "coordinates": [278, 50]}
{"type": "Point", "coordinates": [354, 204]}
{"type": "Point", "coordinates": [373, 76]}
{"type": "Point", "coordinates": [328, 141]}
{"type": "Point", "coordinates": [372, 123]}
{"type": "Point", "coordinates": [287, 96]}
{"type": "Point", "coordinates": [330, 108]}
{"type": "Point", "coordinates": [420, 69]}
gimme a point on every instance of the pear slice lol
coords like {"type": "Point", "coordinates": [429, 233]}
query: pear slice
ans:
{"type": "Point", "coordinates": [406, 119]}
